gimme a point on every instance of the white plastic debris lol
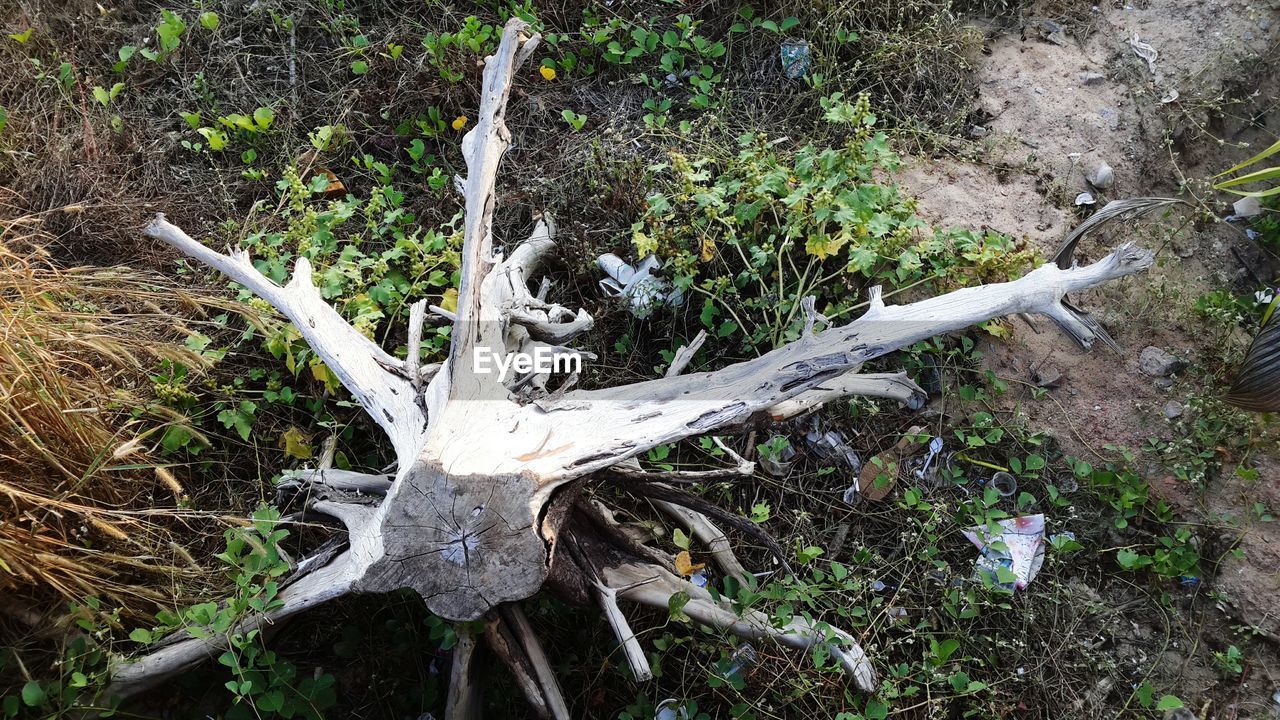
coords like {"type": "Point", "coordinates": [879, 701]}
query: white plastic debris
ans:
{"type": "Point", "coordinates": [779, 458]}
{"type": "Point", "coordinates": [1169, 96]}
{"type": "Point", "coordinates": [1144, 51]}
{"type": "Point", "coordinates": [1102, 176]}
{"type": "Point", "coordinates": [1022, 551]}
{"type": "Point", "coordinates": [935, 447]}
{"type": "Point", "coordinates": [742, 659]}
{"type": "Point", "coordinates": [671, 709]}
{"type": "Point", "coordinates": [637, 284]}
{"type": "Point", "coordinates": [1247, 207]}
{"type": "Point", "coordinates": [1085, 198]}
{"type": "Point", "coordinates": [852, 494]}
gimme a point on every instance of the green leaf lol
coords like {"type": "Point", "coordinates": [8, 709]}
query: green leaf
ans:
{"type": "Point", "coordinates": [217, 139]}
{"type": "Point", "coordinates": [942, 651]}
{"type": "Point", "coordinates": [680, 539]}
{"type": "Point", "coordinates": [101, 95]}
{"type": "Point", "coordinates": [264, 116]}
{"type": "Point", "coordinates": [675, 605]}
{"type": "Point", "coordinates": [210, 21]}
{"type": "Point", "coordinates": [1275, 148]}
{"type": "Point", "coordinates": [359, 67]}
{"type": "Point", "coordinates": [141, 635]}
{"type": "Point", "coordinates": [1130, 560]}
{"type": "Point", "coordinates": [271, 701]}
{"type": "Point", "coordinates": [1169, 702]}
{"type": "Point", "coordinates": [32, 694]}
{"type": "Point", "coordinates": [4, 118]}
{"type": "Point", "coordinates": [23, 36]}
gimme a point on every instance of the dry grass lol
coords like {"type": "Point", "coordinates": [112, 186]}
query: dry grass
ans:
{"type": "Point", "coordinates": [86, 507]}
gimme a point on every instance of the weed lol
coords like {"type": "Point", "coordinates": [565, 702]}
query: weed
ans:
{"type": "Point", "coordinates": [753, 234]}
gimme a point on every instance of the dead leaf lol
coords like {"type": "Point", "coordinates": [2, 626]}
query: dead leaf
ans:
{"type": "Point", "coordinates": [685, 566]}
{"type": "Point", "coordinates": [335, 188]}
{"type": "Point", "coordinates": [295, 445]}
{"type": "Point", "coordinates": [890, 460]}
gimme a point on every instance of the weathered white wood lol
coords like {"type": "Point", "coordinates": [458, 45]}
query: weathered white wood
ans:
{"type": "Point", "coordinates": [348, 481]}
{"type": "Point", "coordinates": [364, 368]}
{"type": "Point", "coordinates": [685, 354]}
{"type": "Point", "coordinates": [546, 677]}
{"type": "Point", "coordinates": [593, 429]}
{"type": "Point", "coordinates": [893, 386]}
{"type": "Point", "coordinates": [654, 586]}
{"type": "Point", "coordinates": [636, 658]}
{"type": "Point", "coordinates": [462, 522]}
{"type": "Point", "coordinates": [129, 677]}
{"type": "Point", "coordinates": [479, 324]}
{"type": "Point", "coordinates": [709, 535]}
{"type": "Point", "coordinates": [463, 700]}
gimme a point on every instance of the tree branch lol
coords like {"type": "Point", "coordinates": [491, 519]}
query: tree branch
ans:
{"type": "Point", "coordinates": [597, 428]}
{"type": "Point", "coordinates": [364, 368]}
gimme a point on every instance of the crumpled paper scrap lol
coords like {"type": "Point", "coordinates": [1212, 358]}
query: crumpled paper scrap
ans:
{"type": "Point", "coordinates": [1020, 549]}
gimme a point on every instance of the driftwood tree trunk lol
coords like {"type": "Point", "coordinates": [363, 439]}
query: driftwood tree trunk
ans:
{"type": "Point", "coordinates": [483, 510]}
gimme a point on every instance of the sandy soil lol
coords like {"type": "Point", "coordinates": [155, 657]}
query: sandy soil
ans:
{"type": "Point", "coordinates": [1050, 110]}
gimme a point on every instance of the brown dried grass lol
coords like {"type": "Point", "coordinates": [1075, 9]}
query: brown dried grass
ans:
{"type": "Point", "coordinates": [86, 505]}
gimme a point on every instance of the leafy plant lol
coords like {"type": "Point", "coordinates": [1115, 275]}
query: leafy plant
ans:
{"type": "Point", "coordinates": [169, 32]}
{"type": "Point", "coordinates": [1233, 185]}
{"type": "Point", "coordinates": [105, 96]}
{"type": "Point", "coordinates": [263, 685]}
{"type": "Point", "coordinates": [753, 234]}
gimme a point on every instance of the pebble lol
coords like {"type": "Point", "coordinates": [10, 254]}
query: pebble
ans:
{"type": "Point", "coordinates": [1173, 409]}
{"type": "Point", "coordinates": [1048, 377]}
{"type": "Point", "coordinates": [1111, 117]}
{"type": "Point", "coordinates": [1102, 176]}
{"type": "Point", "coordinates": [1164, 383]}
{"type": "Point", "coordinates": [1091, 78]}
{"type": "Point", "coordinates": [1158, 363]}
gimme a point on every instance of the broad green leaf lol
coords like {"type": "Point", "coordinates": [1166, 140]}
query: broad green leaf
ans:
{"type": "Point", "coordinates": [264, 116]}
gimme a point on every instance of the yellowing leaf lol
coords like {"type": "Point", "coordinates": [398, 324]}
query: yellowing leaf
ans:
{"type": "Point", "coordinates": [459, 122]}
{"type": "Point", "coordinates": [294, 442]}
{"type": "Point", "coordinates": [321, 372]}
{"type": "Point", "coordinates": [548, 73]}
{"type": "Point", "coordinates": [449, 301]}
{"type": "Point", "coordinates": [996, 328]}
{"type": "Point", "coordinates": [685, 566]}
{"type": "Point", "coordinates": [823, 246]}
{"type": "Point", "coordinates": [707, 251]}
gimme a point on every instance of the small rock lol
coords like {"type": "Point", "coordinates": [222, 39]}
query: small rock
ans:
{"type": "Point", "coordinates": [977, 131]}
{"type": "Point", "coordinates": [1048, 377]}
{"type": "Point", "coordinates": [1158, 363]}
{"type": "Point", "coordinates": [1164, 383]}
{"type": "Point", "coordinates": [1102, 176]}
{"type": "Point", "coordinates": [1091, 78]}
{"type": "Point", "coordinates": [1173, 409]}
{"type": "Point", "coordinates": [989, 108]}
{"type": "Point", "coordinates": [1111, 117]}
{"type": "Point", "coordinates": [1179, 714]}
